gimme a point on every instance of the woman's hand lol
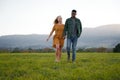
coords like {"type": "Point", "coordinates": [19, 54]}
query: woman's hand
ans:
{"type": "Point", "coordinates": [47, 39]}
{"type": "Point", "coordinates": [64, 37]}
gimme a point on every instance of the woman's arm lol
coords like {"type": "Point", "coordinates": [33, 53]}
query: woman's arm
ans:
{"type": "Point", "coordinates": [50, 34]}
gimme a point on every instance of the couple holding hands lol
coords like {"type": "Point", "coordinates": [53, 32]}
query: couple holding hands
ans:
{"type": "Point", "coordinates": [71, 30]}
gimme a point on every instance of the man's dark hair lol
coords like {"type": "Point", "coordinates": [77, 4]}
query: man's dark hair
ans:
{"type": "Point", "coordinates": [74, 10]}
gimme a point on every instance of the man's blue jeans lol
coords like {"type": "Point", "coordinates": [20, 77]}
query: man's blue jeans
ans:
{"type": "Point", "coordinates": [72, 41]}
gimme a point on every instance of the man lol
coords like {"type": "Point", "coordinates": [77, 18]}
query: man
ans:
{"type": "Point", "coordinates": [72, 29]}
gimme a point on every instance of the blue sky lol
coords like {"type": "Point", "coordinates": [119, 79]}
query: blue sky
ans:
{"type": "Point", "coordinates": [37, 16]}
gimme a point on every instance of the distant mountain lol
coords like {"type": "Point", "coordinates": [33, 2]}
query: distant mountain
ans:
{"type": "Point", "coordinates": [25, 41]}
{"type": "Point", "coordinates": [103, 36]}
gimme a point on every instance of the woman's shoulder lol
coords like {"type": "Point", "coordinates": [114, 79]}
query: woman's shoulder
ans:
{"type": "Point", "coordinates": [59, 25]}
{"type": "Point", "coordinates": [62, 24]}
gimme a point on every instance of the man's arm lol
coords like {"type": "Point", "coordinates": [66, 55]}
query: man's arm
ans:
{"type": "Point", "coordinates": [79, 28]}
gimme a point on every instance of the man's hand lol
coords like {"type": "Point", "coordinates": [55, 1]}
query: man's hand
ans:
{"type": "Point", "coordinates": [64, 37]}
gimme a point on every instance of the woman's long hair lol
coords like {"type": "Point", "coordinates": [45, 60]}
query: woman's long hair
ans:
{"type": "Point", "coordinates": [56, 20]}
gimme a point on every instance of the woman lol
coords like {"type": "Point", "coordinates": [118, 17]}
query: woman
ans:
{"type": "Point", "coordinates": [58, 40]}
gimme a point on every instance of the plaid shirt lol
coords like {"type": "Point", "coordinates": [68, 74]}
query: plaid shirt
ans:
{"type": "Point", "coordinates": [68, 29]}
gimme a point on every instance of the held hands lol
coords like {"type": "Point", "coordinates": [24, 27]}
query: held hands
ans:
{"type": "Point", "coordinates": [64, 37]}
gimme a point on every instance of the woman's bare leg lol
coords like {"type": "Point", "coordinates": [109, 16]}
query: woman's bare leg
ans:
{"type": "Point", "coordinates": [60, 53]}
{"type": "Point", "coordinates": [57, 53]}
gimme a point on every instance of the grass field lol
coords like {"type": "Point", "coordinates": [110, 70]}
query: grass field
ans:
{"type": "Point", "coordinates": [41, 66]}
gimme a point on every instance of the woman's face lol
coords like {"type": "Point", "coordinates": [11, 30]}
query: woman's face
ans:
{"type": "Point", "coordinates": [59, 19]}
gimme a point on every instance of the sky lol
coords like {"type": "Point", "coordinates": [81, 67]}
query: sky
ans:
{"type": "Point", "coordinates": [37, 16]}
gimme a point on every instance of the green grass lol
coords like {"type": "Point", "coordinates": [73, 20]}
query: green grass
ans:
{"type": "Point", "coordinates": [41, 66]}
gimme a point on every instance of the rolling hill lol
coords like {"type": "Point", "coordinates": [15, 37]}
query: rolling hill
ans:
{"type": "Point", "coordinates": [103, 36]}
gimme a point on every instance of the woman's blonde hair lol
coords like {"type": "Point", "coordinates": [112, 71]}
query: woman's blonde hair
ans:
{"type": "Point", "coordinates": [56, 20]}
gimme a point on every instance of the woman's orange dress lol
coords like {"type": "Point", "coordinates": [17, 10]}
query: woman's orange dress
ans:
{"type": "Point", "coordinates": [58, 37]}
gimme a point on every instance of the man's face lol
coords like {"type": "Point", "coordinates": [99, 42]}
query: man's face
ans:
{"type": "Point", "coordinates": [73, 14]}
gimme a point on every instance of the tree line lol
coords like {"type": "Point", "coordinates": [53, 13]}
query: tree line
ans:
{"type": "Point", "coordinates": [50, 50]}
